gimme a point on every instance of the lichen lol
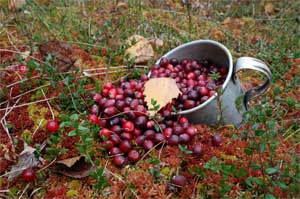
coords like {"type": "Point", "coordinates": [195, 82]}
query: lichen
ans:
{"type": "Point", "coordinates": [72, 193]}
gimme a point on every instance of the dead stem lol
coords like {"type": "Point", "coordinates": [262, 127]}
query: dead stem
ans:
{"type": "Point", "coordinates": [53, 117]}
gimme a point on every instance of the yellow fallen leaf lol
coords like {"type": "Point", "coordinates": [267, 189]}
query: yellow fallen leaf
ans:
{"type": "Point", "coordinates": [162, 90]}
{"type": "Point", "coordinates": [141, 50]}
{"type": "Point", "coordinates": [269, 8]}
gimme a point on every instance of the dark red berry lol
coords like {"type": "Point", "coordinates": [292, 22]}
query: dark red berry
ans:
{"type": "Point", "coordinates": [179, 181]}
{"type": "Point", "coordinates": [191, 131]}
{"type": "Point", "coordinates": [108, 144]}
{"type": "Point", "coordinates": [184, 138]}
{"type": "Point", "coordinates": [134, 155]}
{"type": "Point", "coordinates": [140, 140]}
{"type": "Point", "coordinates": [23, 69]}
{"type": "Point", "coordinates": [216, 140]}
{"type": "Point", "coordinates": [159, 138]}
{"type": "Point", "coordinates": [173, 140]}
{"type": "Point", "coordinates": [119, 160]}
{"type": "Point", "coordinates": [148, 144]}
{"type": "Point", "coordinates": [105, 133]}
{"type": "Point", "coordinates": [28, 175]}
{"type": "Point", "coordinates": [125, 146]}
{"type": "Point", "coordinates": [94, 109]}
{"type": "Point", "coordinates": [115, 151]}
{"type": "Point", "coordinates": [141, 122]}
{"type": "Point", "coordinates": [110, 111]}
{"type": "Point", "coordinates": [168, 132]}
{"type": "Point", "coordinates": [198, 150]}
{"type": "Point", "coordinates": [149, 134]}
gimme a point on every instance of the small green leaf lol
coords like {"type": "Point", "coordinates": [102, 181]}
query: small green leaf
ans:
{"type": "Point", "coordinates": [72, 133]}
{"type": "Point", "coordinates": [271, 170]}
{"type": "Point", "coordinates": [261, 147]}
{"type": "Point", "coordinates": [255, 166]}
{"type": "Point", "coordinates": [270, 196]}
{"type": "Point", "coordinates": [83, 129]}
{"type": "Point", "coordinates": [248, 151]}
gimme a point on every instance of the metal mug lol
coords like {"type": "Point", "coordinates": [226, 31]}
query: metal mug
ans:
{"type": "Point", "coordinates": [210, 111]}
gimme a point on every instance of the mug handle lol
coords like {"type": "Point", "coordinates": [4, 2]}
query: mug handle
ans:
{"type": "Point", "coordinates": [258, 65]}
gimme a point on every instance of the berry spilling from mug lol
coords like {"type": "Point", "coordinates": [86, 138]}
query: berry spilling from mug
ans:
{"type": "Point", "coordinates": [127, 130]}
{"type": "Point", "coordinates": [197, 81]}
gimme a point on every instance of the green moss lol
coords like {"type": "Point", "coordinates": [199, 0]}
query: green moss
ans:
{"type": "Point", "coordinates": [72, 193]}
{"type": "Point", "coordinates": [74, 184]}
{"type": "Point", "coordinates": [27, 136]}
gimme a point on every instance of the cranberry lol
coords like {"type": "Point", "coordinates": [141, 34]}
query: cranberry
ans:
{"type": "Point", "coordinates": [164, 62]}
{"type": "Point", "coordinates": [28, 175]}
{"type": "Point", "coordinates": [168, 132]}
{"type": "Point", "coordinates": [119, 160]}
{"type": "Point", "coordinates": [184, 138]}
{"type": "Point", "coordinates": [198, 150]}
{"type": "Point", "coordinates": [102, 123]}
{"type": "Point", "coordinates": [137, 132]}
{"type": "Point", "coordinates": [150, 124]}
{"type": "Point", "coordinates": [108, 144]}
{"type": "Point", "coordinates": [126, 136]}
{"type": "Point", "coordinates": [149, 134]}
{"type": "Point", "coordinates": [108, 86]}
{"type": "Point", "coordinates": [173, 140]}
{"type": "Point", "coordinates": [134, 155]}
{"type": "Point", "coordinates": [120, 104]}
{"type": "Point", "coordinates": [140, 140]}
{"type": "Point", "coordinates": [115, 138]}
{"type": "Point", "coordinates": [159, 138]}
{"type": "Point", "coordinates": [94, 109]}
{"type": "Point", "coordinates": [109, 102]}
{"type": "Point", "coordinates": [141, 122]}
{"type": "Point", "coordinates": [115, 151]}
{"type": "Point", "coordinates": [114, 121]}
{"type": "Point", "coordinates": [179, 181]}
{"type": "Point", "coordinates": [183, 120]}
{"type": "Point", "coordinates": [188, 104]}
{"type": "Point", "coordinates": [110, 111]}
{"type": "Point", "coordinates": [193, 95]}
{"type": "Point", "coordinates": [174, 61]}
{"type": "Point", "coordinates": [23, 69]}
{"type": "Point", "coordinates": [97, 97]}
{"type": "Point", "coordinates": [178, 130]}
{"type": "Point", "coordinates": [216, 140]}
{"type": "Point", "coordinates": [191, 75]}
{"type": "Point", "coordinates": [148, 144]}
{"type": "Point", "coordinates": [116, 128]}
{"type": "Point", "coordinates": [125, 146]}
{"type": "Point", "coordinates": [105, 133]}
{"type": "Point", "coordinates": [191, 131]}
{"type": "Point", "coordinates": [112, 93]}
{"type": "Point", "coordinates": [52, 126]}
{"type": "Point", "coordinates": [128, 126]}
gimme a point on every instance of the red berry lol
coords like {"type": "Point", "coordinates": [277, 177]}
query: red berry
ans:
{"type": "Point", "coordinates": [52, 126]}
{"type": "Point", "coordinates": [128, 126]}
{"type": "Point", "coordinates": [148, 144]}
{"type": "Point", "coordinates": [115, 151]}
{"type": "Point", "coordinates": [105, 133]}
{"type": "Point", "coordinates": [125, 146]}
{"type": "Point", "coordinates": [203, 91]}
{"type": "Point", "coordinates": [134, 155]}
{"type": "Point", "coordinates": [97, 97]}
{"type": "Point", "coordinates": [149, 134]}
{"type": "Point", "coordinates": [140, 140]}
{"type": "Point", "coordinates": [28, 175]}
{"type": "Point", "coordinates": [108, 144]}
{"type": "Point", "coordinates": [168, 132]}
{"type": "Point", "coordinates": [23, 69]}
{"type": "Point", "coordinates": [108, 86]}
{"type": "Point", "coordinates": [115, 138]}
{"type": "Point", "coordinates": [216, 140]}
{"type": "Point", "coordinates": [93, 118]}
{"type": "Point", "coordinates": [159, 138]}
{"type": "Point", "coordinates": [197, 150]}
{"type": "Point", "coordinates": [119, 160]}
{"type": "Point", "coordinates": [110, 111]}
{"type": "Point", "coordinates": [112, 93]}
{"type": "Point", "coordinates": [191, 131]}
{"type": "Point", "coordinates": [183, 120]}
{"type": "Point", "coordinates": [179, 181]}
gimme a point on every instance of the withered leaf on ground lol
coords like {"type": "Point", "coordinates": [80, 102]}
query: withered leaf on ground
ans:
{"type": "Point", "coordinates": [75, 167]}
{"type": "Point", "coordinates": [140, 49]}
{"type": "Point", "coordinates": [16, 4]}
{"type": "Point", "coordinates": [26, 160]}
{"type": "Point", "coordinates": [162, 90]}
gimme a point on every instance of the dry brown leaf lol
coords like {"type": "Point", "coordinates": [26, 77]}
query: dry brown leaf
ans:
{"type": "Point", "coordinates": [140, 49]}
{"type": "Point", "coordinates": [16, 4]}
{"type": "Point", "coordinates": [162, 90]}
{"type": "Point", "coordinates": [269, 8]}
{"type": "Point", "coordinates": [70, 161]}
{"type": "Point", "coordinates": [217, 34]}
{"type": "Point", "coordinates": [75, 167]}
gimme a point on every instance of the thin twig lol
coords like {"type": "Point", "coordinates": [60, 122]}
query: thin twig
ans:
{"type": "Point", "coordinates": [53, 117]}
{"type": "Point", "coordinates": [48, 165]}
{"type": "Point", "coordinates": [37, 127]}
{"type": "Point", "coordinates": [24, 190]}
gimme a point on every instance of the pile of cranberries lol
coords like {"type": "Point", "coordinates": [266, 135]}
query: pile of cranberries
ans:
{"type": "Point", "coordinates": [127, 131]}
{"type": "Point", "coordinates": [197, 81]}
